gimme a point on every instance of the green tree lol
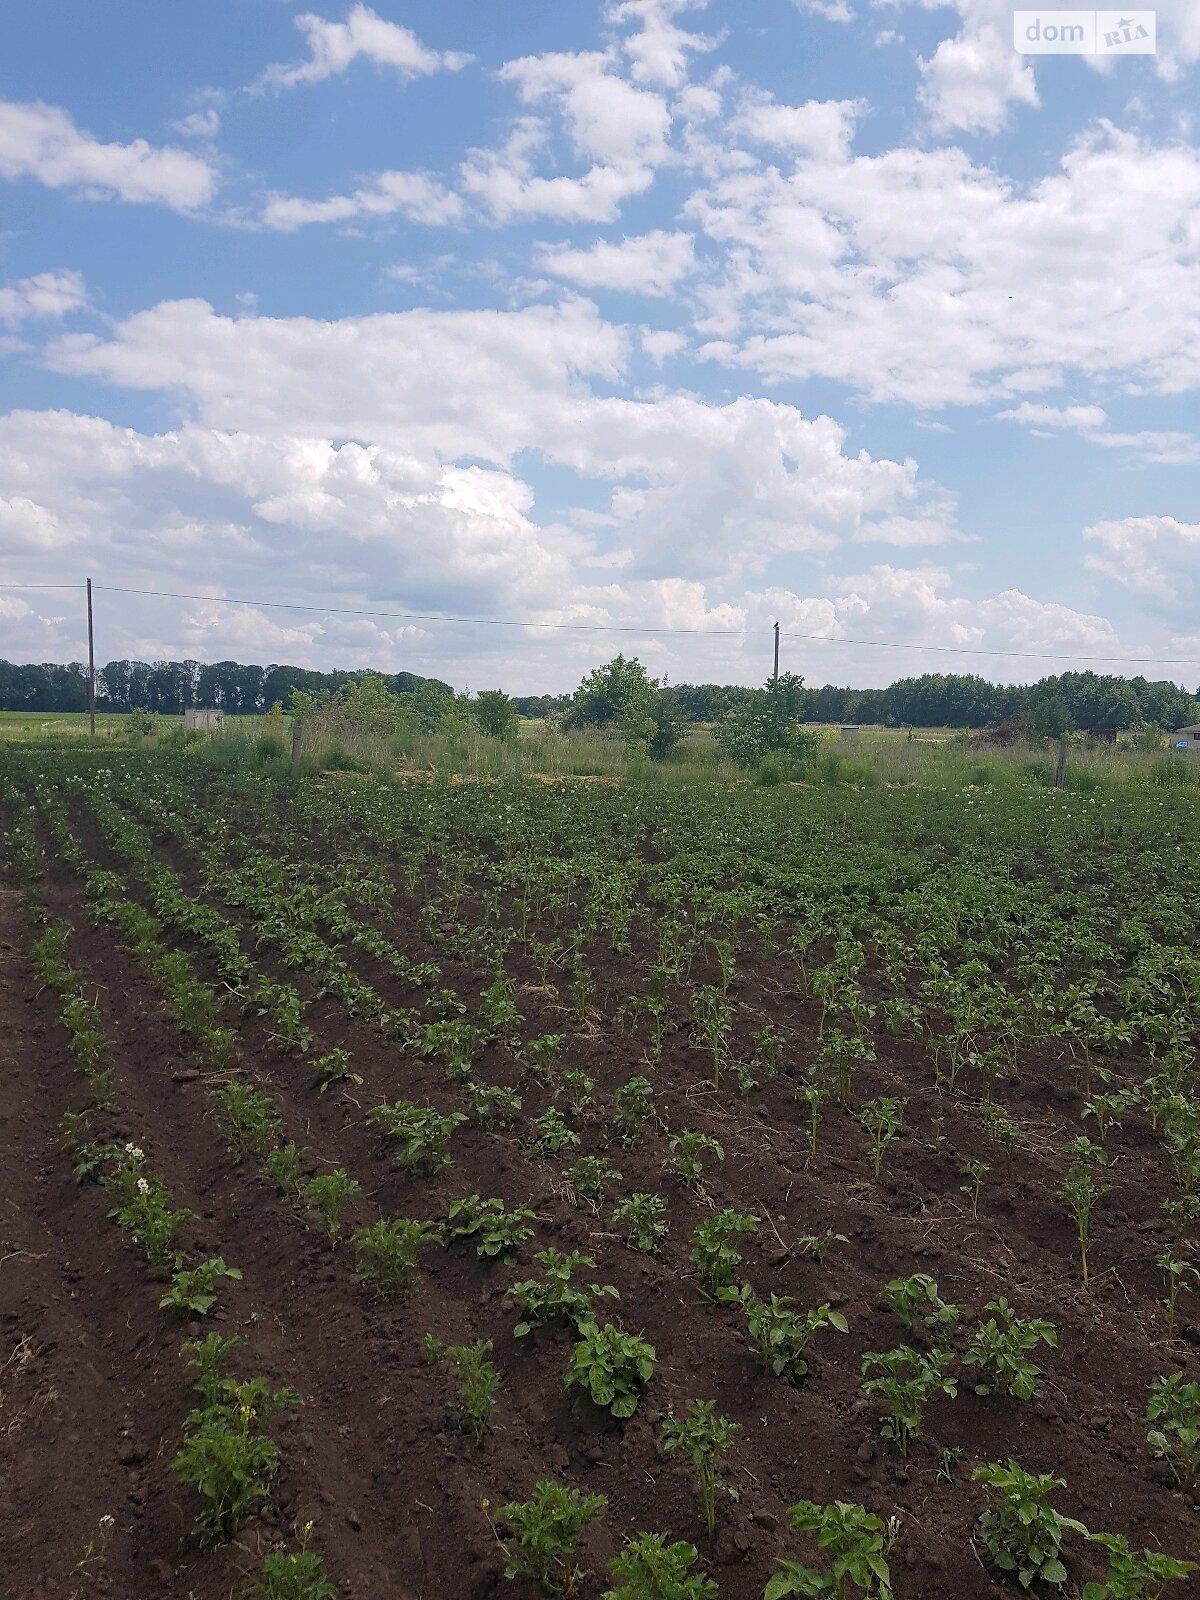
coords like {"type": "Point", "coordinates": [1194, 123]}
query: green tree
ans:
{"type": "Point", "coordinates": [769, 723]}
{"type": "Point", "coordinates": [495, 714]}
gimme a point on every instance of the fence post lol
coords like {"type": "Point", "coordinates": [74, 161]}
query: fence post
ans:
{"type": "Point", "coordinates": [295, 741]}
{"type": "Point", "coordinates": [1060, 772]}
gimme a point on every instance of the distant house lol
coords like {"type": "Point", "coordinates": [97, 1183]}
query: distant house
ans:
{"type": "Point", "coordinates": [849, 732]}
{"type": "Point", "coordinates": [203, 720]}
{"type": "Point", "coordinates": [1188, 738]}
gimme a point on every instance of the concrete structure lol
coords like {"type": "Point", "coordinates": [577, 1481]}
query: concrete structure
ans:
{"type": "Point", "coordinates": [204, 720]}
{"type": "Point", "coordinates": [850, 732]}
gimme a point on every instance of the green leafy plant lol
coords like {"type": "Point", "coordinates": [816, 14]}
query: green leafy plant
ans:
{"type": "Point", "coordinates": [1081, 1189]}
{"type": "Point", "coordinates": [578, 1088]}
{"type": "Point", "coordinates": [423, 1133]}
{"type": "Point", "coordinates": [814, 1096]}
{"type": "Point", "coordinates": [882, 1119]}
{"type": "Point", "coordinates": [385, 1253]}
{"type": "Point", "coordinates": [612, 1366]}
{"type": "Point", "coordinates": [778, 1335]}
{"type": "Point", "coordinates": [907, 1382]}
{"type": "Point", "coordinates": [712, 1246]}
{"type": "Point", "coordinates": [640, 1217]}
{"type": "Point", "coordinates": [478, 1380]}
{"type": "Point", "coordinates": [546, 1530]}
{"type": "Point", "coordinates": [1134, 1574]}
{"type": "Point", "coordinates": [651, 1569]}
{"type": "Point", "coordinates": [916, 1303]}
{"type": "Point", "coordinates": [298, 1575]}
{"type": "Point", "coordinates": [145, 1210]}
{"type": "Point", "coordinates": [283, 1168]}
{"type": "Point", "coordinates": [974, 1172]}
{"type": "Point", "coordinates": [193, 1293]}
{"type": "Point", "coordinates": [250, 1119]}
{"type": "Point", "coordinates": [1023, 1534]}
{"type": "Point", "coordinates": [327, 1196]}
{"type": "Point", "coordinates": [494, 1102]}
{"type": "Point", "coordinates": [542, 1055]}
{"type": "Point", "coordinates": [553, 1297]}
{"type": "Point", "coordinates": [686, 1153]}
{"type": "Point", "coordinates": [713, 1019]}
{"type": "Point", "coordinates": [497, 1233]}
{"type": "Point", "coordinates": [1182, 1278]}
{"type": "Point", "coordinates": [1175, 1406]}
{"type": "Point", "coordinates": [857, 1544]}
{"type": "Point", "coordinates": [634, 1102]}
{"type": "Point", "coordinates": [704, 1437]}
{"type": "Point", "coordinates": [226, 1455]}
{"type": "Point", "coordinates": [1000, 1348]}
{"type": "Point", "coordinates": [819, 1245]}
{"type": "Point", "coordinates": [552, 1133]}
{"type": "Point", "coordinates": [590, 1175]}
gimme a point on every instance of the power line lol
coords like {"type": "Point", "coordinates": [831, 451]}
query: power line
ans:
{"type": "Point", "coordinates": [594, 627]}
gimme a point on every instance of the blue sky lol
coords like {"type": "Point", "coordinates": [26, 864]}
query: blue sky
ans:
{"type": "Point", "coordinates": [635, 316]}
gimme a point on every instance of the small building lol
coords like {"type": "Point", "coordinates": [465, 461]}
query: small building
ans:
{"type": "Point", "coordinates": [203, 720]}
{"type": "Point", "coordinates": [849, 732]}
{"type": "Point", "coordinates": [1188, 738]}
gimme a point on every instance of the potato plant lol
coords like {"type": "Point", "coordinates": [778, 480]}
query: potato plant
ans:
{"type": "Point", "coordinates": [546, 1530]}
{"type": "Point", "coordinates": [612, 1366]}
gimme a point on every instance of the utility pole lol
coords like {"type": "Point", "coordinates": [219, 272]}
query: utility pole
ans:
{"type": "Point", "coordinates": [775, 674]}
{"type": "Point", "coordinates": [91, 666]}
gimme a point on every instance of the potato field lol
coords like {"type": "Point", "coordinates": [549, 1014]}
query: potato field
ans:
{"type": "Point", "coordinates": [437, 1191]}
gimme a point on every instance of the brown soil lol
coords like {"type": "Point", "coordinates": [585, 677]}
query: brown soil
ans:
{"type": "Point", "coordinates": [93, 1393]}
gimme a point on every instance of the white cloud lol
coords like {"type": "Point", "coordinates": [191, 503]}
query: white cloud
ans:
{"type": "Point", "coordinates": [658, 52]}
{"type": "Point", "coordinates": [46, 294]}
{"type": "Point", "coordinates": [411, 194]}
{"type": "Point", "coordinates": [921, 276]}
{"type": "Point", "coordinates": [651, 263]}
{"type": "Point", "coordinates": [1156, 558]}
{"type": "Point", "coordinates": [333, 46]}
{"type": "Point", "coordinates": [821, 128]}
{"type": "Point", "coordinates": [662, 343]}
{"type": "Point", "coordinates": [1161, 446]}
{"type": "Point", "coordinates": [204, 124]}
{"type": "Point", "coordinates": [41, 142]}
{"type": "Point", "coordinates": [831, 10]}
{"type": "Point", "coordinates": [971, 80]}
{"type": "Point", "coordinates": [620, 129]}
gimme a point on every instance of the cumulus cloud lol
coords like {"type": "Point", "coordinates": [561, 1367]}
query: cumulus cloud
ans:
{"type": "Point", "coordinates": [46, 294]}
{"type": "Point", "coordinates": [652, 263]}
{"type": "Point", "coordinates": [925, 277]}
{"type": "Point", "coordinates": [658, 51]}
{"type": "Point", "coordinates": [820, 128]}
{"type": "Point", "coordinates": [414, 195]}
{"type": "Point", "coordinates": [334, 46]}
{"type": "Point", "coordinates": [1156, 558]}
{"type": "Point", "coordinates": [41, 142]}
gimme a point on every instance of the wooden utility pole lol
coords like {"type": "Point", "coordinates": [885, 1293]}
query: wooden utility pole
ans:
{"type": "Point", "coordinates": [775, 674]}
{"type": "Point", "coordinates": [91, 666]}
{"type": "Point", "coordinates": [1060, 771]}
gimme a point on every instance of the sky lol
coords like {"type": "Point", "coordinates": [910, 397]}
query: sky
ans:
{"type": "Point", "coordinates": [649, 323]}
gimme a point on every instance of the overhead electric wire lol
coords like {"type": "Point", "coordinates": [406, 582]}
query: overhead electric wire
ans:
{"type": "Point", "coordinates": [620, 627]}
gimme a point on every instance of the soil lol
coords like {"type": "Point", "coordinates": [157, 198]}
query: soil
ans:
{"type": "Point", "coordinates": [93, 1392]}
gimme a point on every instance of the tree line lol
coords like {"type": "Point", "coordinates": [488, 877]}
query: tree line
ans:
{"type": "Point", "coordinates": [1086, 701]}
